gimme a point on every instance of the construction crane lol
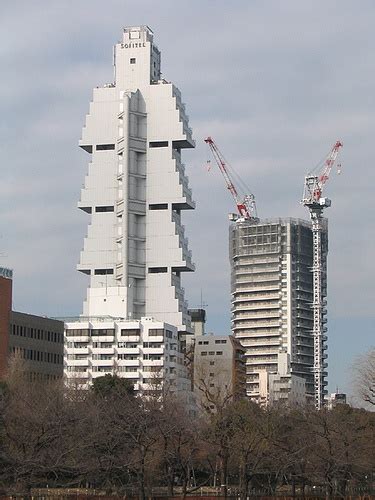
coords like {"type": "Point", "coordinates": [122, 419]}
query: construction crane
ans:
{"type": "Point", "coordinates": [313, 199]}
{"type": "Point", "coordinates": [246, 207]}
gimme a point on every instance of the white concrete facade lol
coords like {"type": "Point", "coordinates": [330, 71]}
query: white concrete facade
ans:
{"type": "Point", "coordinates": [146, 352]}
{"type": "Point", "coordinates": [336, 398]}
{"type": "Point", "coordinates": [136, 188]}
{"type": "Point", "coordinates": [284, 386]}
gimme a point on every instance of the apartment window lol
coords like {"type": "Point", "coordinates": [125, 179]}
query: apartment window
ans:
{"type": "Point", "coordinates": [156, 332]}
{"type": "Point", "coordinates": [100, 272]}
{"type": "Point", "coordinates": [105, 356]}
{"type": "Point", "coordinates": [127, 357]}
{"type": "Point", "coordinates": [105, 147]}
{"type": "Point", "coordinates": [107, 369]}
{"type": "Point", "coordinates": [103, 332]}
{"type": "Point", "coordinates": [158, 206]}
{"type": "Point", "coordinates": [107, 208]}
{"type": "Point", "coordinates": [155, 270]}
{"type": "Point", "coordinates": [132, 60]}
{"type": "Point", "coordinates": [220, 341]}
{"type": "Point", "coordinates": [150, 369]}
{"type": "Point", "coordinates": [212, 363]}
{"type": "Point", "coordinates": [74, 333]}
{"type": "Point", "coordinates": [131, 345]}
{"type": "Point", "coordinates": [154, 345]}
{"type": "Point", "coordinates": [152, 357]}
{"type": "Point", "coordinates": [211, 353]}
{"type": "Point", "coordinates": [219, 353]}
{"type": "Point", "coordinates": [169, 334]}
{"type": "Point", "coordinates": [130, 332]}
{"type": "Point", "coordinates": [212, 374]}
{"type": "Point", "coordinates": [158, 144]}
{"type": "Point", "coordinates": [204, 353]}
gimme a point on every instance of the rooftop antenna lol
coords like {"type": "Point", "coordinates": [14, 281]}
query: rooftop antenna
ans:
{"type": "Point", "coordinates": [202, 304]}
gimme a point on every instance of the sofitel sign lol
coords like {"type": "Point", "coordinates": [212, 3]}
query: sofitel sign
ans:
{"type": "Point", "coordinates": [133, 45]}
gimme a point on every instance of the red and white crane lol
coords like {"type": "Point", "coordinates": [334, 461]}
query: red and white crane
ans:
{"type": "Point", "coordinates": [245, 204]}
{"type": "Point", "coordinates": [314, 183]}
{"type": "Point", "coordinates": [313, 199]}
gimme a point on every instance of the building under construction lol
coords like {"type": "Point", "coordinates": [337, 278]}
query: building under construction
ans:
{"type": "Point", "coordinates": [272, 296]}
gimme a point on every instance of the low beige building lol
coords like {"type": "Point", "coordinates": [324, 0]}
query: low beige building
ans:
{"type": "Point", "coordinates": [219, 370]}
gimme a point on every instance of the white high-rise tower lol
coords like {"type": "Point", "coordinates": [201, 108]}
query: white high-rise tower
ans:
{"type": "Point", "coordinates": [135, 190]}
{"type": "Point", "coordinates": [135, 315]}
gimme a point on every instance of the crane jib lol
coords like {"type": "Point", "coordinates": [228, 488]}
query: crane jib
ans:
{"type": "Point", "coordinates": [247, 208]}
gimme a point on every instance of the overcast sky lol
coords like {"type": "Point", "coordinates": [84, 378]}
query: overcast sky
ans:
{"type": "Point", "coordinates": [276, 83]}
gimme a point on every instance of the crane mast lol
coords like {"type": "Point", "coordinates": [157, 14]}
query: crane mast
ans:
{"type": "Point", "coordinates": [313, 200]}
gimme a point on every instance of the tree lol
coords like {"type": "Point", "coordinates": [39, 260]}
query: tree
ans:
{"type": "Point", "coordinates": [249, 441]}
{"type": "Point", "coordinates": [181, 449]}
{"type": "Point", "coordinates": [342, 440]}
{"type": "Point", "coordinates": [112, 385]}
{"type": "Point", "coordinates": [290, 445]}
{"type": "Point", "coordinates": [37, 421]}
{"type": "Point", "coordinates": [214, 393]}
{"type": "Point", "coordinates": [365, 377]}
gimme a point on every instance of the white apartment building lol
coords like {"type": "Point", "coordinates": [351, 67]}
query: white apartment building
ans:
{"type": "Point", "coordinates": [146, 352]}
{"type": "Point", "coordinates": [272, 292]}
{"type": "Point", "coordinates": [134, 193]}
{"type": "Point", "coordinates": [336, 398]}
{"type": "Point", "coordinates": [283, 386]}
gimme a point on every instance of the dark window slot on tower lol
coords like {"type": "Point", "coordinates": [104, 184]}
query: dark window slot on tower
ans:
{"type": "Point", "coordinates": [154, 270]}
{"type": "Point", "coordinates": [104, 147]}
{"type": "Point", "coordinates": [104, 209]}
{"type": "Point", "coordinates": [88, 210]}
{"type": "Point", "coordinates": [158, 206]}
{"type": "Point", "coordinates": [103, 271]}
{"type": "Point", "coordinates": [132, 60]}
{"type": "Point", "coordinates": [159, 144]}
